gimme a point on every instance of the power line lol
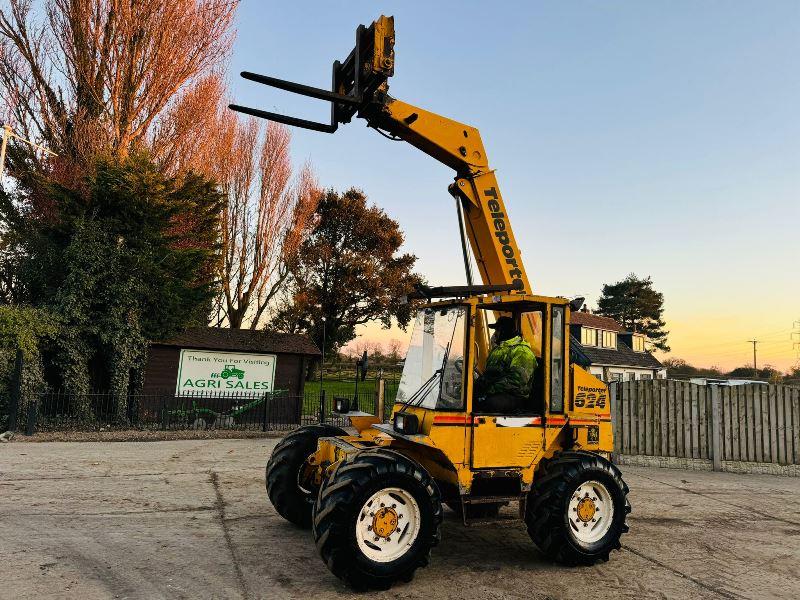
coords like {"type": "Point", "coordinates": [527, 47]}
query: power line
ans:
{"type": "Point", "coordinates": [735, 342]}
{"type": "Point", "coordinates": [740, 351]}
{"type": "Point", "coordinates": [773, 357]}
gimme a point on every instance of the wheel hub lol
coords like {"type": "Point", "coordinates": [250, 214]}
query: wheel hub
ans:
{"type": "Point", "coordinates": [384, 523]}
{"type": "Point", "coordinates": [388, 524]}
{"type": "Point", "coordinates": [586, 509]}
{"type": "Point", "coordinates": [590, 512]}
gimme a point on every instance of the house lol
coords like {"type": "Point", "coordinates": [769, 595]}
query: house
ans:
{"type": "Point", "coordinates": [605, 349]}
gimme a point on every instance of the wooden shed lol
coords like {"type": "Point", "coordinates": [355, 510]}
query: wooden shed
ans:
{"type": "Point", "coordinates": [221, 360]}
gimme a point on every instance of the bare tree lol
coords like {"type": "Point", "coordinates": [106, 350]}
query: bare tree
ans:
{"type": "Point", "coordinates": [395, 350]}
{"type": "Point", "coordinates": [267, 217]}
{"type": "Point", "coordinates": [89, 76]}
{"type": "Point", "coordinates": [355, 349]}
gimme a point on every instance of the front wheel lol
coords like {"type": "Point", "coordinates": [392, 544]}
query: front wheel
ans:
{"type": "Point", "coordinates": [287, 486]}
{"type": "Point", "coordinates": [577, 508]}
{"type": "Point", "coordinates": [376, 519]}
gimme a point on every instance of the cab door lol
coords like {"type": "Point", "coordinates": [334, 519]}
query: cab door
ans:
{"type": "Point", "coordinates": [514, 440]}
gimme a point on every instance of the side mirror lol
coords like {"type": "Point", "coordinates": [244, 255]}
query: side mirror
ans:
{"type": "Point", "coordinates": [341, 404]}
{"type": "Point", "coordinates": [576, 303]}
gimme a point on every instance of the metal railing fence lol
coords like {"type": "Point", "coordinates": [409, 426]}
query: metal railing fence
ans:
{"type": "Point", "coordinates": [200, 410]}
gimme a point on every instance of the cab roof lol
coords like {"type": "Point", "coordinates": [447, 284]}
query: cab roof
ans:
{"type": "Point", "coordinates": [505, 302]}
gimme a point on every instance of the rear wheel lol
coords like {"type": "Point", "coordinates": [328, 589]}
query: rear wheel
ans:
{"type": "Point", "coordinates": [287, 486]}
{"type": "Point", "coordinates": [376, 519]}
{"type": "Point", "coordinates": [577, 508]}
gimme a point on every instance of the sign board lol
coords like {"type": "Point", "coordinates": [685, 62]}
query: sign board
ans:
{"type": "Point", "coordinates": [224, 372]}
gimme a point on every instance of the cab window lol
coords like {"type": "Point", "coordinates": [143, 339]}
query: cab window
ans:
{"type": "Point", "coordinates": [557, 360]}
{"type": "Point", "coordinates": [433, 371]}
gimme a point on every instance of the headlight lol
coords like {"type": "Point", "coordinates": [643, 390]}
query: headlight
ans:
{"type": "Point", "coordinates": [406, 423]}
{"type": "Point", "coordinates": [341, 405]}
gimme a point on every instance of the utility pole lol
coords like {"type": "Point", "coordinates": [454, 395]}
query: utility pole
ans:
{"type": "Point", "coordinates": [755, 363]}
{"type": "Point", "coordinates": [322, 362]}
{"type": "Point", "coordinates": [796, 338]}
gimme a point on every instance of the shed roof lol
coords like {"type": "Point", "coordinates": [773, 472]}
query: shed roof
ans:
{"type": "Point", "coordinates": [243, 340]}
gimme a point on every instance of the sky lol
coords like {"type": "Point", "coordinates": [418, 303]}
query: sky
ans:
{"type": "Point", "coordinates": [656, 138]}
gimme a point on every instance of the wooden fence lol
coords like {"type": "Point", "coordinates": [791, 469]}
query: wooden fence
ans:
{"type": "Point", "coordinates": [754, 423]}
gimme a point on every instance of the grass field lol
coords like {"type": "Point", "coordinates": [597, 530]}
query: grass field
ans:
{"type": "Point", "coordinates": [333, 388]}
{"type": "Point", "coordinates": [337, 387]}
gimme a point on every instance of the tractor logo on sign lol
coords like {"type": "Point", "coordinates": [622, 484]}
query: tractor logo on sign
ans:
{"type": "Point", "coordinates": [230, 371]}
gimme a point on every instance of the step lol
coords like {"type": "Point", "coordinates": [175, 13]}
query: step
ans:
{"type": "Point", "coordinates": [502, 519]}
{"type": "Point", "coordinates": [489, 499]}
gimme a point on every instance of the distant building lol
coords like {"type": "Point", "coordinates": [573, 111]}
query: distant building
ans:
{"type": "Point", "coordinates": [604, 348]}
{"type": "Point", "coordinates": [726, 382]}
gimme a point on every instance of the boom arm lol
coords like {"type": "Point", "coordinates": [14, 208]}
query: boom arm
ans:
{"type": "Point", "coordinates": [364, 91]}
{"type": "Point", "coordinates": [460, 147]}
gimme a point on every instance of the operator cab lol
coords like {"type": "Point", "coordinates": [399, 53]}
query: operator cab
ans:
{"type": "Point", "coordinates": [451, 342]}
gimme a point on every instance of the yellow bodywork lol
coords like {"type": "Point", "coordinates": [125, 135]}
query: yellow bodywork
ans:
{"type": "Point", "coordinates": [458, 446]}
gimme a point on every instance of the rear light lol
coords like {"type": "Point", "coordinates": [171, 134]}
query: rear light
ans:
{"type": "Point", "coordinates": [406, 423]}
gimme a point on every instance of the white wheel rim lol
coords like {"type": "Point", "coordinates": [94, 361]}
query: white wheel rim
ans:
{"type": "Point", "coordinates": [387, 525]}
{"type": "Point", "coordinates": [590, 512]}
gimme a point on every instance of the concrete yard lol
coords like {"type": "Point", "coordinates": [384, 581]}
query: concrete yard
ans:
{"type": "Point", "coordinates": [190, 519]}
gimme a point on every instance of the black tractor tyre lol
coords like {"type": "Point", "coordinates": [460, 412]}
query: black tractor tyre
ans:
{"type": "Point", "coordinates": [338, 512]}
{"type": "Point", "coordinates": [476, 511]}
{"type": "Point", "coordinates": [547, 512]}
{"type": "Point", "coordinates": [293, 502]}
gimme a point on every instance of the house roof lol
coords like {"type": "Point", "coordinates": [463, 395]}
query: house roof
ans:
{"type": "Point", "coordinates": [596, 321]}
{"type": "Point", "coordinates": [243, 340]}
{"type": "Point", "coordinates": [622, 356]}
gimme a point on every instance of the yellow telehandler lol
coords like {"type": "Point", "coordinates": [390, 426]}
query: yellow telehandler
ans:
{"type": "Point", "coordinates": [373, 495]}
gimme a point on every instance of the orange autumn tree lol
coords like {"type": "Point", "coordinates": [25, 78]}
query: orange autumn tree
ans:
{"type": "Point", "coordinates": [268, 210]}
{"type": "Point", "coordinates": [89, 77]}
{"type": "Point", "coordinates": [197, 132]}
{"type": "Point", "coordinates": [267, 217]}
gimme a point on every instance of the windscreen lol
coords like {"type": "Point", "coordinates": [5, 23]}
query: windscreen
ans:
{"type": "Point", "coordinates": [432, 373]}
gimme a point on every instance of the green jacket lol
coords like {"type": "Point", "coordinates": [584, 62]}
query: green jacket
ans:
{"type": "Point", "coordinates": [509, 368]}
